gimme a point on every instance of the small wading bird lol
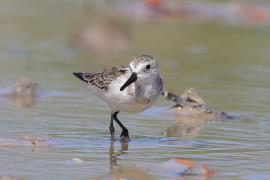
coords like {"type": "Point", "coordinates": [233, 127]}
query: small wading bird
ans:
{"type": "Point", "coordinates": [132, 88]}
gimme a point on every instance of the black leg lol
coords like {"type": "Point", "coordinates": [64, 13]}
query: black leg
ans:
{"type": "Point", "coordinates": [124, 134]}
{"type": "Point", "coordinates": [112, 127]}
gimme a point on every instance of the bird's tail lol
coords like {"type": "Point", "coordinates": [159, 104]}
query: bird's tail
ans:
{"type": "Point", "coordinates": [80, 76]}
{"type": "Point", "coordinates": [86, 77]}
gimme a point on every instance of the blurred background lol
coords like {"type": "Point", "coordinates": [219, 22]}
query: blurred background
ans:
{"type": "Point", "coordinates": [220, 48]}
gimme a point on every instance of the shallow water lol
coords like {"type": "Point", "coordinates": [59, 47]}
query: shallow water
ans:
{"type": "Point", "coordinates": [228, 65]}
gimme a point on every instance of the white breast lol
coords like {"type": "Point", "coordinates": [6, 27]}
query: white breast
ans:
{"type": "Point", "coordinates": [126, 100]}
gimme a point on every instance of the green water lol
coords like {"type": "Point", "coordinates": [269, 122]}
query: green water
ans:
{"type": "Point", "coordinates": [228, 65]}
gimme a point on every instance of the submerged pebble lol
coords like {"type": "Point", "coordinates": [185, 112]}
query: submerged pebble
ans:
{"type": "Point", "coordinates": [77, 160]}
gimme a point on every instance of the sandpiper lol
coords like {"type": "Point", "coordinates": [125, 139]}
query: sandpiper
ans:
{"type": "Point", "coordinates": [132, 88]}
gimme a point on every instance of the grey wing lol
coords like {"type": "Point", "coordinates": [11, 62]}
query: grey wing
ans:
{"type": "Point", "coordinates": [102, 79]}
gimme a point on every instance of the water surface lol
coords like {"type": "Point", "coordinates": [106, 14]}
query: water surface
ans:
{"type": "Point", "coordinates": [228, 65]}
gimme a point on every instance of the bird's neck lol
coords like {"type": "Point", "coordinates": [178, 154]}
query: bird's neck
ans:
{"type": "Point", "coordinates": [145, 89]}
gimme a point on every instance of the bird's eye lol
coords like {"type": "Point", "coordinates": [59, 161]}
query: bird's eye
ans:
{"type": "Point", "coordinates": [148, 67]}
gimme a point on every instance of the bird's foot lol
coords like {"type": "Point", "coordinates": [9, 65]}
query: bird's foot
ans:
{"type": "Point", "coordinates": [124, 136]}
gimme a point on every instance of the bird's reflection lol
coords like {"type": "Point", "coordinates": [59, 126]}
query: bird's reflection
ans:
{"type": "Point", "coordinates": [113, 155]}
{"type": "Point", "coordinates": [119, 172]}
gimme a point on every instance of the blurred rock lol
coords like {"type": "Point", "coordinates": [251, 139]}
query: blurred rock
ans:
{"type": "Point", "coordinates": [23, 94]}
{"type": "Point", "coordinates": [190, 114]}
{"type": "Point", "coordinates": [24, 87]}
{"type": "Point", "coordinates": [178, 168]}
{"type": "Point", "coordinates": [104, 37]}
{"type": "Point", "coordinates": [9, 178]}
{"type": "Point", "coordinates": [25, 141]}
{"type": "Point", "coordinates": [232, 13]}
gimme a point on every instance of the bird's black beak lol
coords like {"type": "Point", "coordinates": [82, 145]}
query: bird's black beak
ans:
{"type": "Point", "coordinates": [130, 80]}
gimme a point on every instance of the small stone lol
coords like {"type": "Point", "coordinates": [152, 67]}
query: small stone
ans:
{"type": "Point", "coordinates": [77, 160]}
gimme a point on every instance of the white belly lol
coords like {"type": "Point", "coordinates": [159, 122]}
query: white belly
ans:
{"type": "Point", "coordinates": [126, 100]}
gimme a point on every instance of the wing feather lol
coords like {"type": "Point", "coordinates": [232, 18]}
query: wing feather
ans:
{"type": "Point", "coordinates": [102, 79]}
